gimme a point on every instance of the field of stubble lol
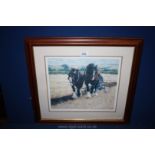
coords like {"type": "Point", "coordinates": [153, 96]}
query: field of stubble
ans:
{"type": "Point", "coordinates": [61, 93]}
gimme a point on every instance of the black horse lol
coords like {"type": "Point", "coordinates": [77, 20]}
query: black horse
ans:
{"type": "Point", "coordinates": [91, 79]}
{"type": "Point", "coordinates": [76, 79]}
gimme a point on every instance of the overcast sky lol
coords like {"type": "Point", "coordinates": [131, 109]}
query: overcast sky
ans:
{"type": "Point", "coordinates": [84, 61]}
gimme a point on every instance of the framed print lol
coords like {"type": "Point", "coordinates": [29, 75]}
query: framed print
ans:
{"type": "Point", "coordinates": [83, 79]}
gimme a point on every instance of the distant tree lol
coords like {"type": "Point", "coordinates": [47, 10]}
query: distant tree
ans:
{"type": "Point", "coordinates": [82, 68]}
{"type": "Point", "coordinates": [66, 67]}
{"type": "Point", "coordinates": [49, 70]}
{"type": "Point", "coordinates": [52, 70]}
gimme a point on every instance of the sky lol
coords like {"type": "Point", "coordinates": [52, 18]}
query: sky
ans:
{"type": "Point", "coordinates": [84, 61]}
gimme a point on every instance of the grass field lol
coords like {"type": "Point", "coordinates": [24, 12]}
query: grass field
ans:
{"type": "Point", "coordinates": [61, 93]}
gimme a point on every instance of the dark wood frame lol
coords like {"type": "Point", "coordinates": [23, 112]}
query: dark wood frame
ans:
{"type": "Point", "coordinates": [84, 41]}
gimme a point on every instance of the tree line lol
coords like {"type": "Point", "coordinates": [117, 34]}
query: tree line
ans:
{"type": "Point", "coordinates": [64, 69]}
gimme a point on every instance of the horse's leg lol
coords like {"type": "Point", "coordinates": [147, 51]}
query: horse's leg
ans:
{"type": "Point", "coordinates": [96, 84]}
{"type": "Point", "coordinates": [88, 90]}
{"type": "Point", "coordinates": [74, 96]}
{"type": "Point", "coordinates": [78, 92]}
{"type": "Point", "coordinates": [92, 88]}
{"type": "Point", "coordinates": [79, 85]}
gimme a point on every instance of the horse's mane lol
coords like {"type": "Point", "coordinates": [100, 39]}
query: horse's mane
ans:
{"type": "Point", "coordinates": [90, 68]}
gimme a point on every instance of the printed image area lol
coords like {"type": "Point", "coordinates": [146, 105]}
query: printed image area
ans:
{"type": "Point", "coordinates": [83, 83]}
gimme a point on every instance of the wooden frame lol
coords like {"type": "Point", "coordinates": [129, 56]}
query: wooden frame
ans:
{"type": "Point", "coordinates": [84, 42]}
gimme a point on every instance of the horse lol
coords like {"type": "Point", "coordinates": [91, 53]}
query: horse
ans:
{"type": "Point", "coordinates": [76, 79]}
{"type": "Point", "coordinates": [91, 79]}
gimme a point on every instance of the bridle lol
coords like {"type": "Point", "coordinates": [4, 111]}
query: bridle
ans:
{"type": "Point", "coordinates": [95, 74]}
{"type": "Point", "coordinates": [73, 74]}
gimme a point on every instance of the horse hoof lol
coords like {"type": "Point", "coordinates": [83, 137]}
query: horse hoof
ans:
{"type": "Point", "coordinates": [88, 95]}
{"type": "Point", "coordinates": [74, 96]}
{"type": "Point", "coordinates": [96, 94]}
